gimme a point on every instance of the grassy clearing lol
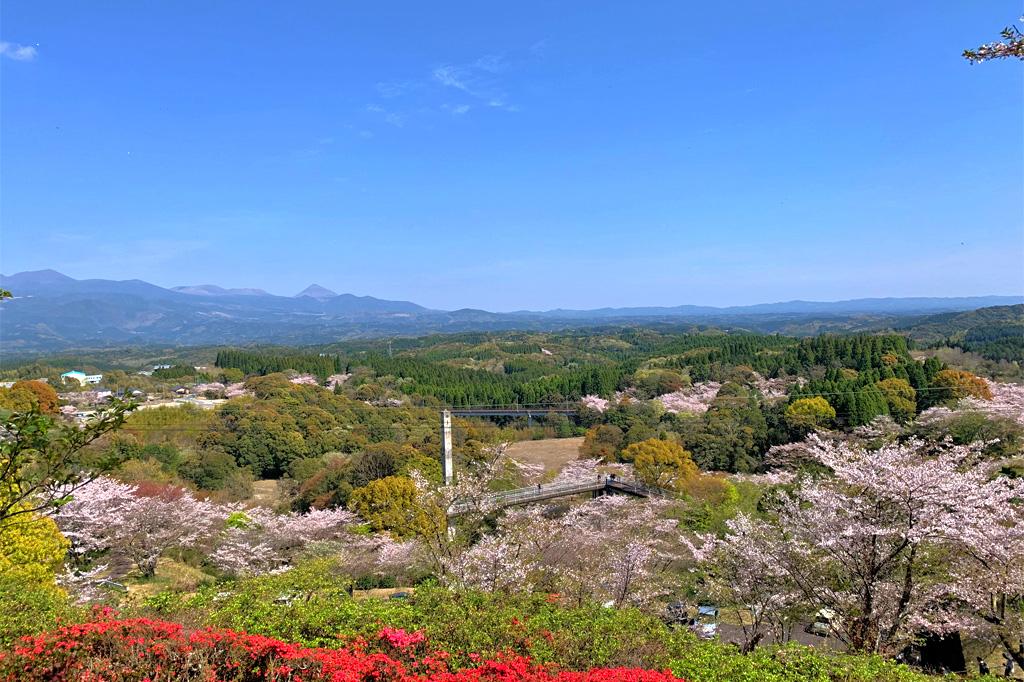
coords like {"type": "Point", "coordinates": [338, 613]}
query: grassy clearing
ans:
{"type": "Point", "coordinates": [552, 453]}
{"type": "Point", "coordinates": [170, 575]}
{"type": "Point", "coordinates": [266, 493]}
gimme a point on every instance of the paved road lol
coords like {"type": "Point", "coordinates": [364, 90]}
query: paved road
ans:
{"type": "Point", "coordinates": [734, 633]}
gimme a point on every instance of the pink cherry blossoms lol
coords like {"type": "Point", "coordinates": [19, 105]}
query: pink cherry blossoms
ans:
{"type": "Point", "coordinates": [898, 540]}
{"type": "Point", "coordinates": [336, 380]}
{"type": "Point", "coordinates": [214, 387]}
{"type": "Point", "coordinates": [139, 525]}
{"type": "Point", "coordinates": [236, 389]}
{"type": "Point", "coordinates": [593, 402]}
{"type": "Point", "coordinates": [259, 540]}
{"type": "Point", "coordinates": [612, 549]}
{"type": "Point", "coordinates": [696, 399]}
{"type": "Point", "coordinates": [1007, 401]}
{"type": "Point", "coordinates": [771, 389]}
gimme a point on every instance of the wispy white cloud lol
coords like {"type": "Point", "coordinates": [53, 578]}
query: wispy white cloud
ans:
{"type": "Point", "coordinates": [17, 52]}
{"type": "Point", "coordinates": [455, 88]}
{"type": "Point", "coordinates": [450, 76]}
{"type": "Point", "coordinates": [390, 117]}
{"type": "Point", "coordinates": [389, 89]}
{"type": "Point", "coordinates": [477, 79]}
{"type": "Point", "coordinates": [456, 109]}
{"type": "Point", "coordinates": [492, 63]}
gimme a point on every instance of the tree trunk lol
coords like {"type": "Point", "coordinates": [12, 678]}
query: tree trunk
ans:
{"type": "Point", "coordinates": [751, 643]}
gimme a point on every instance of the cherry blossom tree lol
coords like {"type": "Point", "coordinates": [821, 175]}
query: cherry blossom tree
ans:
{"type": "Point", "coordinates": [140, 525]}
{"type": "Point", "coordinates": [336, 380]}
{"type": "Point", "coordinates": [772, 389]}
{"type": "Point", "coordinates": [593, 402]}
{"type": "Point", "coordinates": [213, 388]}
{"type": "Point", "coordinates": [612, 548]}
{"type": "Point", "coordinates": [497, 563]}
{"type": "Point", "coordinates": [904, 539]}
{"type": "Point", "coordinates": [1007, 401]}
{"type": "Point", "coordinates": [579, 470]}
{"type": "Point", "coordinates": [235, 390]}
{"type": "Point", "coordinates": [743, 576]}
{"type": "Point", "coordinates": [441, 537]}
{"type": "Point", "coordinates": [258, 540]}
{"type": "Point", "coordinates": [85, 584]}
{"type": "Point", "coordinates": [696, 399]}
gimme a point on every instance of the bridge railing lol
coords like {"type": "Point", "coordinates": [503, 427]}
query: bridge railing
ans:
{"type": "Point", "coordinates": [513, 410]}
{"type": "Point", "coordinates": [509, 498]}
{"type": "Point", "coordinates": [637, 488]}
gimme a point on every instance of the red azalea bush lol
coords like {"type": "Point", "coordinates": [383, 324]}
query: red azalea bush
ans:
{"type": "Point", "coordinates": [111, 650]}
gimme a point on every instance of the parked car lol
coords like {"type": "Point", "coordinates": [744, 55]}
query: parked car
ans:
{"type": "Point", "coordinates": [705, 625]}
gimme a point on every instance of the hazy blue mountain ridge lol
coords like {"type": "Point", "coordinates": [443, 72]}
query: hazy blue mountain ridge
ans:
{"type": "Point", "coordinates": [51, 311]}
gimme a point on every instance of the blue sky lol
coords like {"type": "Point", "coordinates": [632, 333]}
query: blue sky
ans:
{"type": "Point", "coordinates": [516, 155]}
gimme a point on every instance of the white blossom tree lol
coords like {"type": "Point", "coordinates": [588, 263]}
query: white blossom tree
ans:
{"type": "Point", "coordinates": [744, 577]}
{"type": "Point", "coordinates": [898, 541]}
{"type": "Point", "coordinates": [137, 524]}
{"type": "Point", "coordinates": [612, 548]}
{"type": "Point", "coordinates": [258, 540]}
{"type": "Point", "coordinates": [695, 399]}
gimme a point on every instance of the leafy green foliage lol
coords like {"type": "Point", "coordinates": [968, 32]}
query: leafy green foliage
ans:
{"type": "Point", "coordinates": [42, 460]}
{"type": "Point", "coordinates": [311, 605]}
{"type": "Point", "coordinates": [661, 463]}
{"type": "Point", "coordinates": [995, 333]}
{"type": "Point", "coordinates": [391, 504]}
{"type": "Point", "coordinates": [175, 372]}
{"type": "Point", "coordinates": [809, 413]}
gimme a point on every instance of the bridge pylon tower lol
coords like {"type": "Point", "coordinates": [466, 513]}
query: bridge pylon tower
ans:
{"type": "Point", "coordinates": [447, 468]}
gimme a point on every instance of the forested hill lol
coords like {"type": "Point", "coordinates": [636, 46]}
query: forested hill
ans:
{"type": "Point", "coordinates": [995, 333]}
{"type": "Point", "coordinates": [547, 368]}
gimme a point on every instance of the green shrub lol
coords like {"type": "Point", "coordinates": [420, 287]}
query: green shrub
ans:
{"type": "Point", "coordinates": [28, 607]}
{"type": "Point", "coordinates": [310, 605]}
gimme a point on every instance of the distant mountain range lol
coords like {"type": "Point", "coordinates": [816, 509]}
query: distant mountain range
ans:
{"type": "Point", "coordinates": [51, 311]}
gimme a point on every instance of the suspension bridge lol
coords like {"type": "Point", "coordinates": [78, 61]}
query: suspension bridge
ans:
{"type": "Point", "coordinates": [528, 411]}
{"type": "Point", "coordinates": [601, 484]}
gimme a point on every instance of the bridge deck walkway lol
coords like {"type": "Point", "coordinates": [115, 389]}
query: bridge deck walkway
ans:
{"type": "Point", "coordinates": [542, 493]}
